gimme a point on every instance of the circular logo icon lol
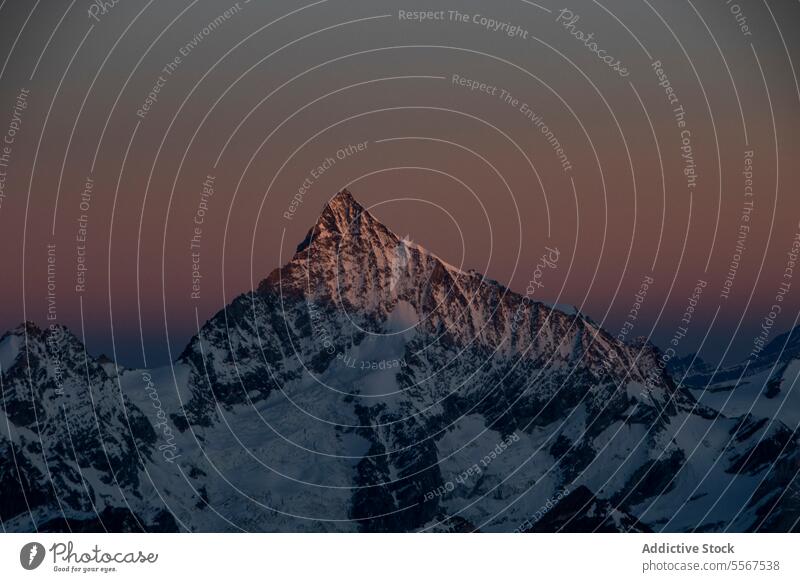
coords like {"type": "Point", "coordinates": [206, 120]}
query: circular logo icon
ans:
{"type": "Point", "coordinates": [31, 555]}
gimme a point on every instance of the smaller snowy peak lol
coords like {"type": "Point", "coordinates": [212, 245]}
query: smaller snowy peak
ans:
{"type": "Point", "coordinates": [10, 345]}
{"type": "Point", "coordinates": [36, 339]}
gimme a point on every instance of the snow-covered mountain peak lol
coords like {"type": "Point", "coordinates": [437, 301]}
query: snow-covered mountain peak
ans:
{"type": "Point", "coordinates": [344, 222]}
{"type": "Point", "coordinates": [355, 389]}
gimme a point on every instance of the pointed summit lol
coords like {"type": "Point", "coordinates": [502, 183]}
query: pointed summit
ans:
{"type": "Point", "coordinates": [344, 216]}
{"type": "Point", "coordinates": [344, 199]}
{"type": "Point", "coordinates": [340, 212]}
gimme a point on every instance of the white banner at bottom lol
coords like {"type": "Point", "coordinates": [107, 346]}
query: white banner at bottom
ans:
{"type": "Point", "coordinates": [390, 557]}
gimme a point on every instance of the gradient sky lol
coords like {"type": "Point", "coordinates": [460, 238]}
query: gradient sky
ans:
{"type": "Point", "coordinates": [258, 103]}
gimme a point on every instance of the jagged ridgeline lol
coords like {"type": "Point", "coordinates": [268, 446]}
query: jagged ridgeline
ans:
{"type": "Point", "coordinates": [368, 385]}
